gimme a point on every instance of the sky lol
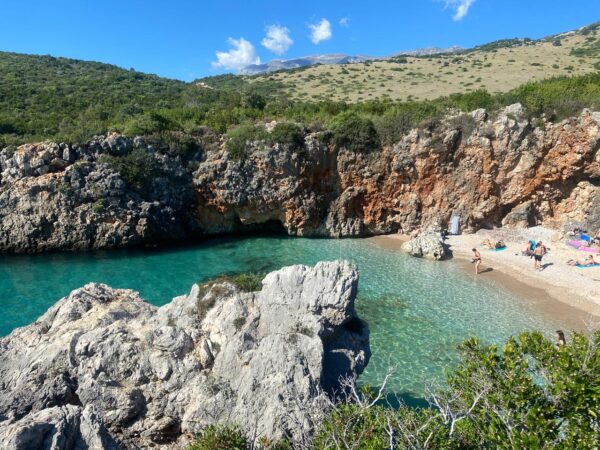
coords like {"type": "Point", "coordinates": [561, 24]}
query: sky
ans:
{"type": "Point", "coordinates": [189, 39]}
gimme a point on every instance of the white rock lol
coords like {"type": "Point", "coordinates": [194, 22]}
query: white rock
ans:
{"type": "Point", "coordinates": [104, 367]}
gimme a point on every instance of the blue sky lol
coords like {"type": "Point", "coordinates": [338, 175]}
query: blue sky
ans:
{"type": "Point", "coordinates": [180, 39]}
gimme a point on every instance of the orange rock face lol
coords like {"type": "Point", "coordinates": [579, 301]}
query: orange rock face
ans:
{"type": "Point", "coordinates": [508, 171]}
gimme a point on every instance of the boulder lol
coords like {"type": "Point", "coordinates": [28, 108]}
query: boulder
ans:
{"type": "Point", "coordinates": [428, 246]}
{"type": "Point", "coordinates": [521, 216]}
{"type": "Point", "coordinates": [104, 369]}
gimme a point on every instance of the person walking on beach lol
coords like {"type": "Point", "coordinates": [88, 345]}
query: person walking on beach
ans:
{"type": "Point", "coordinates": [538, 254]}
{"type": "Point", "coordinates": [477, 260]}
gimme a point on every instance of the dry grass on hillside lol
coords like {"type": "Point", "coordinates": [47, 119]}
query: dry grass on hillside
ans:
{"type": "Point", "coordinates": [429, 78]}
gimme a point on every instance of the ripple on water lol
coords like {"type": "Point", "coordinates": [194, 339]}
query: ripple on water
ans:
{"type": "Point", "coordinates": [418, 311]}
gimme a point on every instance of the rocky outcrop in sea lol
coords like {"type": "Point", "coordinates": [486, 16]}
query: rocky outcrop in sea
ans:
{"type": "Point", "coordinates": [504, 170]}
{"type": "Point", "coordinates": [104, 369]}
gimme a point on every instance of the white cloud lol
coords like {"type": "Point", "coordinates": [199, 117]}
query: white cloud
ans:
{"type": "Point", "coordinates": [320, 31]}
{"type": "Point", "coordinates": [461, 8]}
{"type": "Point", "coordinates": [241, 55]}
{"type": "Point", "coordinates": [277, 39]}
{"type": "Point", "coordinates": [344, 21]}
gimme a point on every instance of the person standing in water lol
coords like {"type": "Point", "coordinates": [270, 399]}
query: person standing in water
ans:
{"type": "Point", "coordinates": [560, 338]}
{"type": "Point", "coordinates": [476, 260]}
{"type": "Point", "coordinates": [538, 254]}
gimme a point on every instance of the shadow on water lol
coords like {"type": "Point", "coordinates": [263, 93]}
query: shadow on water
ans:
{"type": "Point", "coordinates": [225, 241]}
{"type": "Point", "coordinates": [397, 399]}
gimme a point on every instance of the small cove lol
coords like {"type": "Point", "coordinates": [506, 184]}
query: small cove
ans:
{"type": "Point", "coordinates": [418, 311]}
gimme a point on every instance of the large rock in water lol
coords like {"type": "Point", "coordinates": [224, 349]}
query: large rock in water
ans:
{"type": "Point", "coordinates": [427, 246]}
{"type": "Point", "coordinates": [104, 369]}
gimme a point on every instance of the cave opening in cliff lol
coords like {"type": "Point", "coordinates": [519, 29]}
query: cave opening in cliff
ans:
{"type": "Point", "coordinates": [269, 227]}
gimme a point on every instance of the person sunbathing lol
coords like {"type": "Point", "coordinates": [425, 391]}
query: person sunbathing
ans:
{"type": "Point", "coordinates": [589, 261]}
{"type": "Point", "coordinates": [500, 244]}
{"type": "Point", "coordinates": [488, 244]}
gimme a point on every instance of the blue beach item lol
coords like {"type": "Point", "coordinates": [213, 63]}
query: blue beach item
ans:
{"type": "Point", "coordinates": [579, 266]}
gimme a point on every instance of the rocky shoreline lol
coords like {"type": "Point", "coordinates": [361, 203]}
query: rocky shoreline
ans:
{"type": "Point", "coordinates": [506, 170]}
{"type": "Point", "coordinates": [104, 369]}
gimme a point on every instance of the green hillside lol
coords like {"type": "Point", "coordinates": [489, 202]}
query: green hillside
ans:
{"type": "Point", "coordinates": [42, 97]}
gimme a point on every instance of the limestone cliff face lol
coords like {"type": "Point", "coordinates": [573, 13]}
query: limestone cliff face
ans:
{"type": "Point", "coordinates": [507, 170]}
{"type": "Point", "coordinates": [104, 369]}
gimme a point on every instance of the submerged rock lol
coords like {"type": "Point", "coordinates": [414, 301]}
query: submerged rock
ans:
{"type": "Point", "coordinates": [104, 369]}
{"type": "Point", "coordinates": [427, 246]}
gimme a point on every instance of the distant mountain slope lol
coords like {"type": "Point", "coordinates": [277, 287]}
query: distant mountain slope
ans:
{"type": "Point", "coordinates": [282, 64]}
{"type": "Point", "coordinates": [306, 61]}
{"type": "Point", "coordinates": [430, 73]}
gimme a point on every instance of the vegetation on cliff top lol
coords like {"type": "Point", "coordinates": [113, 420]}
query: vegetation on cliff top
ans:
{"type": "Point", "coordinates": [529, 394]}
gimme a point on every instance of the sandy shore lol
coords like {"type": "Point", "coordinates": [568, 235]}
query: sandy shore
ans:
{"type": "Point", "coordinates": [559, 290]}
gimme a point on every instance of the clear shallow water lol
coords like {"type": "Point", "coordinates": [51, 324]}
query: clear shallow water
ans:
{"type": "Point", "coordinates": [418, 311]}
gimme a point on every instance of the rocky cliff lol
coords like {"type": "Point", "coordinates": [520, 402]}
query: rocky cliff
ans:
{"type": "Point", "coordinates": [489, 170]}
{"type": "Point", "coordinates": [104, 369]}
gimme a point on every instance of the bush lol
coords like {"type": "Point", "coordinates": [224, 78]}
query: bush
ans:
{"type": "Point", "coordinates": [247, 282]}
{"type": "Point", "coordinates": [239, 139]}
{"type": "Point", "coordinates": [355, 133]}
{"type": "Point", "coordinates": [146, 124]}
{"type": "Point", "coordinates": [287, 134]}
{"type": "Point", "coordinates": [392, 127]}
{"type": "Point", "coordinates": [530, 394]}
{"type": "Point", "coordinates": [465, 123]}
{"type": "Point", "coordinates": [138, 169]}
{"type": "Point", "coordinates": [220, 437]}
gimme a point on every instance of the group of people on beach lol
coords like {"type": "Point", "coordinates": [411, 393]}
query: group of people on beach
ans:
{"type": "Point", "coordinates": [536, 250]}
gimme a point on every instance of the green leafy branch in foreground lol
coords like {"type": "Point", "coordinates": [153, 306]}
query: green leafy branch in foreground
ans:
{"type": "Point", "coordinates": [529, 394]}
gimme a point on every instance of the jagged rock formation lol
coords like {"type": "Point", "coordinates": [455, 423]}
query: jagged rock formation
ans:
{"type": "Point", "coordinates": [428, 246]}
{"type": "Point", "coordinates": [104, 369]}
{"type": "Point", "coordinates": [508, 170]}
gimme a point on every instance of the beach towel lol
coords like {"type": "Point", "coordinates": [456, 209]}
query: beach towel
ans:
{"type": "Point", "coordinates": [498, 249]}
{"type": "Point", "coordinates": [579, 266]}
{"type": "Point", "coordinates": [575, 244]}
{"type": "Point", "coordinates": [589, 249]}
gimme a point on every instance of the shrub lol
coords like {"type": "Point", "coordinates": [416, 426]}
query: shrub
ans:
{"type": "Point", "coordinates": [288, 134]}
{"type": "Point", "coordinates": [392, 127]}
{"type": "Point", "coordinates": [99, 205]}
{"type": "Point", "coordinates": [247, 282]}
{"type": "Point", "coordinates": [240, 138]}
{"type": "Point", "coordinates": [529, 394]}
{"type": "Point", "coordinates": [179, 144]}
{"type": "Point", "coordinates": [355, 133]}
{"type": "Point", "coordinates": [465, 123]}
{"type": "Point", "coordinates": [255, 100]}
{"type": "Point", "coordinates": [138, 169]}
{"type": "Point", "coordinates": [146, 124]}
{"type": "Point", "coordinates": [220, 437]}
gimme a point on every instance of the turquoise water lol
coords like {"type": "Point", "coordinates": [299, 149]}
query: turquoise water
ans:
{"type": "Point", "coordinates": [418, 311]}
